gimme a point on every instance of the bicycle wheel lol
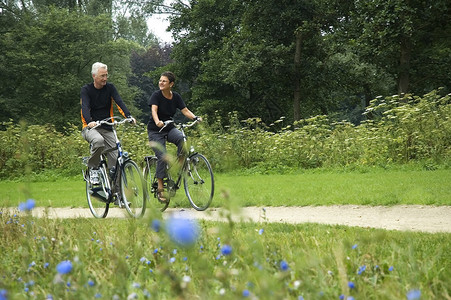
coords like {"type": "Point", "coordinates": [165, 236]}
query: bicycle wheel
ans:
{"type": "Point", "coordinates": [199, 182]}
{"type": "Point", "coordinates": [133, 190]}
{"type": "Point", "coordinates": [97, 195]}
{"type": "Point", "coordinates": [150, 167]}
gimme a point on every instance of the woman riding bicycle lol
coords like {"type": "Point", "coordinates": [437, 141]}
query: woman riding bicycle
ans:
{"type": "Point", "coordinates": [163, 106]}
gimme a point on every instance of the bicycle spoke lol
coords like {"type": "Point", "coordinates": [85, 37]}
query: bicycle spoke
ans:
{"type": "Point", "coordinates": [97, 197]}
{"type": "Point", "coordinates": [152, 185]}
{"type": "Point", "coordinates": [199, 182]}
{"type": "Point", "coordinates": [133, 189]}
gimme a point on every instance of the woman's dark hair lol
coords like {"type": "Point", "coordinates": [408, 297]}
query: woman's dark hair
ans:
{"type": "Point", "coordinates": [169, 75]}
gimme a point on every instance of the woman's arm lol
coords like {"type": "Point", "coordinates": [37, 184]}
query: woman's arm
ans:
{"type": "Point", "coordinates": [187, 113]}
{"type": "Point", "coordinates": [155, 117]}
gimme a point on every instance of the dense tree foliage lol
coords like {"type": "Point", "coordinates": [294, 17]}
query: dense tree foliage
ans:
{"type": "Point", "coordinates": [301, 58]}
{"type": "Point", "coordinates": [292, 59]}
{"type": "Point", "coordinates": [46, 53]}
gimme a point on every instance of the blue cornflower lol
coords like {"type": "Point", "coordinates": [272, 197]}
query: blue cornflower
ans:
{"type": "Point", "coordinates": [156, 225]}
{"type": "Point", "coordinates": [98, 295]}
{"type": "Point", "coordinates": [142, 259]}
{"type": "Point", "coordinates": [90, 282]}
{"type": "Point", "coordinates": [64, 267]}
{"type": "Point", "coordinates": [351, 285]}
{"type": "Point", "coordinates": [354, 246]}
{"type": "Point", "coordinates": [27, 205]}
{"type": "Point", "coordinates": [226, 250]}
{"type": "Point", "coordinates": [172, 259]}
{"type": "Point", "coordinates": [283, 265]}
{"type": "Point", "coordinates": [30, 283]}
{"type": "Point", "coordinates": [246, 293]}
{"type": "Point", "coordinates": [413, 295]}
{"type": "Point", "coordinates": [391, 268]}
{"type": "Point", "coordinates": [341, 297]}
{"type": "Point", "coordinates": [260, 232]}
{"type": "Point", "coordinates": [183, 232]}
{"type": "Point", "coordinates": [49, 297]}
{"type": "Point", "coordinates": [361, 269]}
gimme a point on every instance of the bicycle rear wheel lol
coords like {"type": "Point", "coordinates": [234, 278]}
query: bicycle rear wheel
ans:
{"type": "Point", "coordinates": [97, 196]}
{"type": "Point", "coordinates": [132, 189]}
{"type": "Point", "coordinates": [150, 167]}
{"type": "Point", "coordinates": [199, 182]}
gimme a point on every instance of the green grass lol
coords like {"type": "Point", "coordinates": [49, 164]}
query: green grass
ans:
{"type": "Point", "coordinates": [121, 257]}
{"type": "Point", "coordinates": [313, 187]}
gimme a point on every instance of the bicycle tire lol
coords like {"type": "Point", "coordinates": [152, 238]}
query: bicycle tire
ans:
{"type": "Point", "coordinates": [150, 167]}
{"type": "Point", "coordinates": [199, 182]}
{"type": "Point", "coordinates": [133, 191]}
{"type": "Point", "coordinates": [97, 199]}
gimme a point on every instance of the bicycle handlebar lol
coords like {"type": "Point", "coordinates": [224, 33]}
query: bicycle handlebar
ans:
{"type": "Point", "coordinates": [166, 123]}
{"type": "Point", "coordinates": [106, 121]}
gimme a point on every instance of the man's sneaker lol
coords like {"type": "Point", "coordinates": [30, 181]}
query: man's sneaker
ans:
{"type": "Point", "coordinates": [94, 176]}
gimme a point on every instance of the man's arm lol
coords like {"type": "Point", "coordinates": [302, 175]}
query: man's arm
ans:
{"type": "Point", "coordinates": [85, 107]}
{"type": "Point", "coordinates": [123, 110]}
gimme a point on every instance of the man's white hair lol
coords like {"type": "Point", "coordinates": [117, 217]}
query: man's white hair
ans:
{"type": "Point", "coordinates": [96, 66]}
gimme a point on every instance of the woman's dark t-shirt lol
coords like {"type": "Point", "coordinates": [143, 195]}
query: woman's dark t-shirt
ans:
{"type": "Point", "coordinates": [166, 108]}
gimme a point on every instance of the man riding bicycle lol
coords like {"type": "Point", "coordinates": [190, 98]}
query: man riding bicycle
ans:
{"type": "Point", "coordinates": [97, 104]}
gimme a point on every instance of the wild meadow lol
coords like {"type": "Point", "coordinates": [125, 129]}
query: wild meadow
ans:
{"type": "Point", "coordinates": [168, 257]}
{"type": "Point", "coordinates": [400, 155]}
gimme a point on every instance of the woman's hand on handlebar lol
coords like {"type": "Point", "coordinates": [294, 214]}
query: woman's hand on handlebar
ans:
{"type": "Point", "coordinates": [160, 124]}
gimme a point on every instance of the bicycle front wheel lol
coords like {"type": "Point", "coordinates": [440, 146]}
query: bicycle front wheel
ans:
{"type": "Point", "coordinates": [97, 195]}
{"type": "Point", "coordinates": [133, 190]}
{"type": "Point", "coordinates": [150, 167]}
{"type": "Point", "coordinates": [199, 182]}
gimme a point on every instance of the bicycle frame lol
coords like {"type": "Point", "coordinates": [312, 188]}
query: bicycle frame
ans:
{"type": "Point", "coordinates": [122, 156]}
{"type": "Point", "coordinates": [186, 159]}
{"type": "Point", "coordinates": [193, 180]}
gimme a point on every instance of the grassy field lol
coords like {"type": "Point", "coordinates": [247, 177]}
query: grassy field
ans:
{"type": "Point", "coordinates": [152, 258]}
{"type": "Point", "coordinates": [127, 259]}
{"type": "Point", "coordinates": [371, 187]}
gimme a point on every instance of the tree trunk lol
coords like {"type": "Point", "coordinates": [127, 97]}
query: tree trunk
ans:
{"type": "Point", "coordinates": [404, 66]}
{"type": "Point", "coordinates": [297, 78]}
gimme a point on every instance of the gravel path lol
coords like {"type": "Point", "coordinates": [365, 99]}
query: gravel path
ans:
{"type": "Point", "coordinates": [430, 219]}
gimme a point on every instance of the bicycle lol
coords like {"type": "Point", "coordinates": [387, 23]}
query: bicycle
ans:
{"type": "Point", "coordinates": [122, 185]}
{"type": "Point", "coordinates": [196, 172]}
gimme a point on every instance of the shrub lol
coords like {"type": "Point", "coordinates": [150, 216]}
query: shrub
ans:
{"type": "Point", "coordinates": [398, 130]}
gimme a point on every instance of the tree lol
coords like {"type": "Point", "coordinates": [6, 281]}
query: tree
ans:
{"type": "Point", "coordinates": [404, 37]}
{"type": "Point", "coordinates": [143, 64]}
{"type": "Point", "coordinates": [45, 60]}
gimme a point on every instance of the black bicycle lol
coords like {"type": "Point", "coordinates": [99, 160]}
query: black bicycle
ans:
{"type": "Point", "coordinates": [196, 173]}
{"type": "Point", "coordinates": [123, 185]}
